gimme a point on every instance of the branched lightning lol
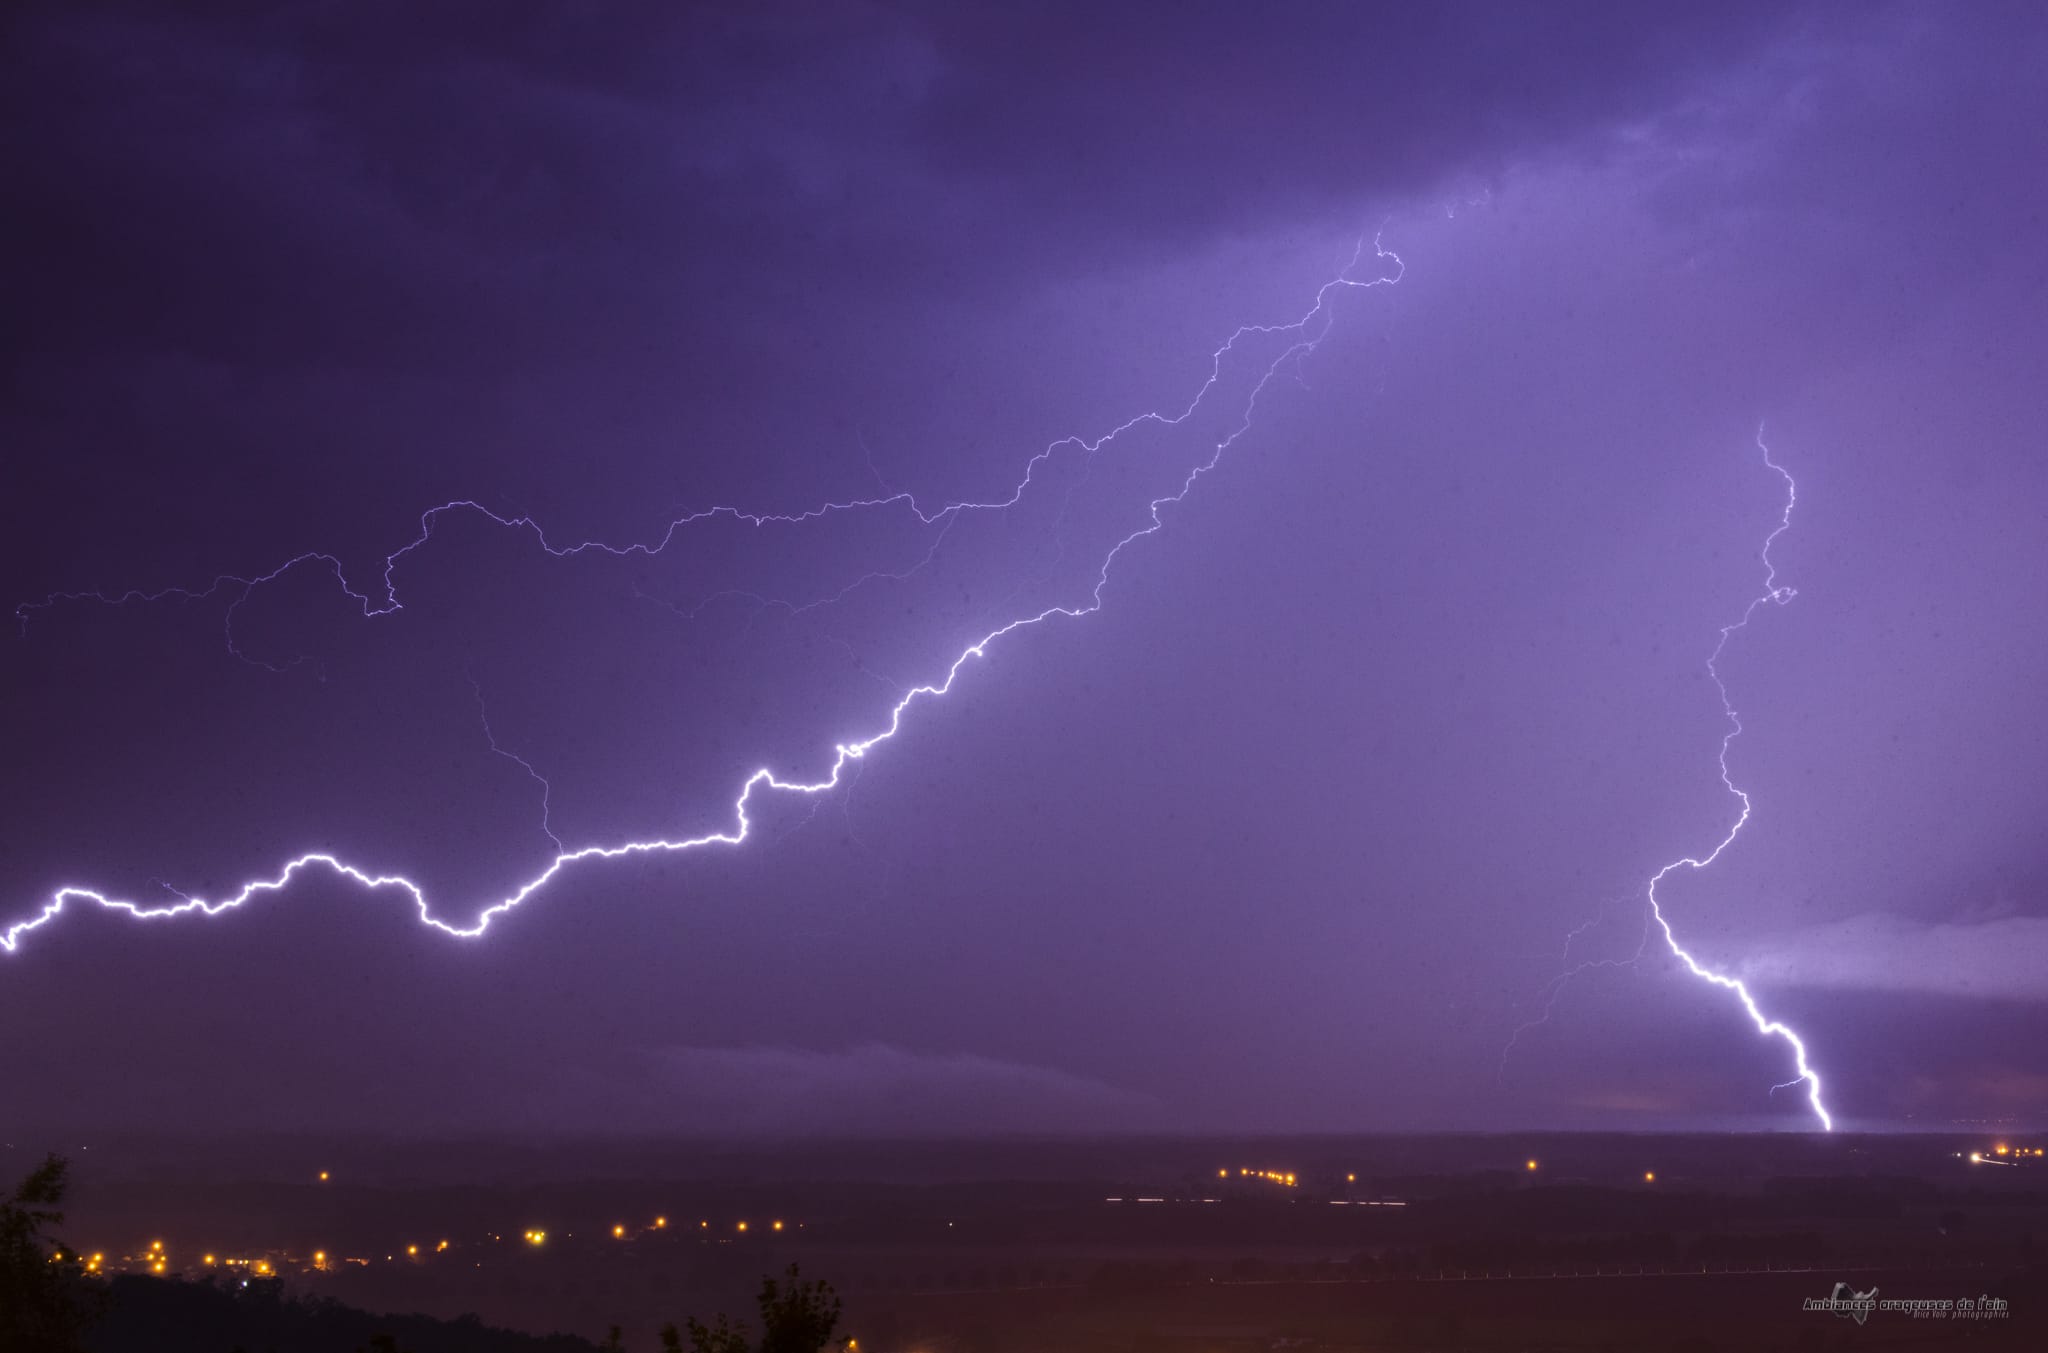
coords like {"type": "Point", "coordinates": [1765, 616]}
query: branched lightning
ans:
{"type": "Point", "coordinates": [1304, 334]}
{"type": "Point", "coordinates": [1655, 921]}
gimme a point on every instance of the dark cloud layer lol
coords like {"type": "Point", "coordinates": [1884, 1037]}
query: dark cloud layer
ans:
{"type": "Point", "coordinates": [471, 195]}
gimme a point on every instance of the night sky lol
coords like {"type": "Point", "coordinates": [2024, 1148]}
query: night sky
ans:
{"type": "Point", "coordinates": [1291, 833]}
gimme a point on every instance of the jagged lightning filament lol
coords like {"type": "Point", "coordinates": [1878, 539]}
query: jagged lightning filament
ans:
{"type": "Point", "coordinates": [1777, 595]}
{"type": "Point", "coordinates": [1774, 594]}
{"type": "Point", "coordinates": [1305, 334]}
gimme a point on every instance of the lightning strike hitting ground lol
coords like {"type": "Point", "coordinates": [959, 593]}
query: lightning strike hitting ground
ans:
{"type": "Point", "coordinates": [1776, 595]}
{"type": "Point", "coordinates": [1307, 332]}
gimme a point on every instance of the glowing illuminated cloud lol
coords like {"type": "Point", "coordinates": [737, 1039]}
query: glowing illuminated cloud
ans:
{"type": "Point", "coordinates": [1303, 335]}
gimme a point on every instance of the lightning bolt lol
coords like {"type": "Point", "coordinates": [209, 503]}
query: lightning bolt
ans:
{"type": "Point", "coordinates": [1303, 334]}
{"type": "Point", "coordinates": [1655, 921]}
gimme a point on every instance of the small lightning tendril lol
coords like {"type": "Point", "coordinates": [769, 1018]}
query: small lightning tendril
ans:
{"type": "Point", "coordinates": [1774, 594]}
{"type": "Point", "coordinates": [1305, 334]}
{"type": "Point", "coordinates": [547, 791]}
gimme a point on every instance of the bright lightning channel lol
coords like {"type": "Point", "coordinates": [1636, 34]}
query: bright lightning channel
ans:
{"type": "Point", "coordinates": [1308, 332]}
{"type": "Point", "coordinates": [1774, 594]}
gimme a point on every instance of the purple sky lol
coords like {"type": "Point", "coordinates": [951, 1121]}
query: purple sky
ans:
{"type": "Point", "coordinates": [1289, 835]}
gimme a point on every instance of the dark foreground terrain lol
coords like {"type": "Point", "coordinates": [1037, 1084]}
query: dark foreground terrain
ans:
{"type": "Point", "coordinates": [1452, 1242]}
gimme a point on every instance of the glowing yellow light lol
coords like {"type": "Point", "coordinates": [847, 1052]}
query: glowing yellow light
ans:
{"type": "Point", "coordinates": [1220, 1174]}
{"type": "Point", "coordinates": [1976, 1158]}
{"type": "Point", "coordinates": [1351, 1179]}
{"type": "Point", "coordinates": [157, 1267]}
{"type": "Point", "coordinates": [743, 1226]}
{"type": "Point", "coordinates": [1649, 1176]}
{"type": "Point", "coordinates": [618, 1233]}
{"type": "Point", "coordinates": [703, 1225]}
{"type": "Point", "coordinates": [156, 1244]}
{"type": "Point", "coordinates": [660, 1222]}
{"type": "Point", "coordinates": [536, 1237]}
{"type": "Point", "coordinates": [440, 1247]}
{"type": "Point", "coordinates": [323, 1176]}
{"type": "Point", "coordinates": [208, 1261]}
{"type": "Point", "coordinates": [412, 1250]}
{"type": "Point", "coordinates": [97, 1257]}
{"type": "Point", "coordinates": [319, 1257]}
{"type": "Point", "coordinates": [2000, 1148]}
{"type": "Point", "coordinates": [1529, 1164]}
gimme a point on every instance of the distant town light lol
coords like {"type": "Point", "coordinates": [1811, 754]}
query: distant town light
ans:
{"type": "Point", "coordinates": [618, 1233]}
{"type": "Point", "coordinates": [1649, 1176]}
{"type": "Point", "coordinates": [1529, 1164]}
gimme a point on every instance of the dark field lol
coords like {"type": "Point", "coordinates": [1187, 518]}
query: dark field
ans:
{"type": "Point", "coordinates": [1441, 1242]}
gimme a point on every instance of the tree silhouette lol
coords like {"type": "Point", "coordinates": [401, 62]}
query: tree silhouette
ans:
{"type": "Point", "coordinates": [40, 1310]}
{"type": "Point", "coordinates": [798, 1318]}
